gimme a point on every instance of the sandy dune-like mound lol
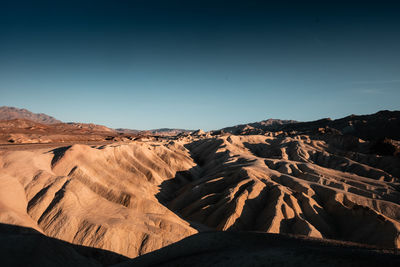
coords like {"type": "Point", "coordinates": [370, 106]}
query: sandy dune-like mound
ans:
{"type": "Point", "coordinates": [291, 185]}
{"type": "Point", "coordinates": [101, 197]}
{"type": "Point", "coordinates": [136, 197]}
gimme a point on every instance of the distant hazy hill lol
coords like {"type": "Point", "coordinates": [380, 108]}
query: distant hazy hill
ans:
{"type": "Point", "coordinates": [383, 124]}
{"type": "Point", "coordinates": [161, 131]}
{"type": "Point", "coordinates": [257, 127]}
{"type": "Point", "coordinates": [379, 125]}
{"type": "Point", "coordinates": [10, 113]}
{"type": "Point", "coordinates": [169, 131]}
{"type": "Point", "coordinates": [127, 131]}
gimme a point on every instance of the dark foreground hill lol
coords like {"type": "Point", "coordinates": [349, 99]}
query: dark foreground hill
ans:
{"type": "Point", "coordinates": [20, 246]}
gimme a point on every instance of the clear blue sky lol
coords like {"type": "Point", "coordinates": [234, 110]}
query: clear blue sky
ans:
{"type": "Point", "coordinates": [145, 64]}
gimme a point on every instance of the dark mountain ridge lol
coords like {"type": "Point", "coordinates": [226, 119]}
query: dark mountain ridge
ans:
{"type": "Point", "coordinates": [380, 125]}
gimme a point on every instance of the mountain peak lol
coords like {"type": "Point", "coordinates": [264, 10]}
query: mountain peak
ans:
{"type": "Point", "coordinates": [10, 113]}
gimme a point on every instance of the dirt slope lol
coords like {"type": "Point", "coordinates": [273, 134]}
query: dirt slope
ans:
{"type": "Point", "coordinates": [135, 197]}
{"type": "Point", "coordinates": [102, 197]}
{"type": "Point", "coordinates": [291, 185]}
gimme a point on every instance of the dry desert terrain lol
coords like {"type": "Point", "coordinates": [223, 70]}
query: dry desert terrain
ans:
{"type": "Point", "coordinates": [286, 197]}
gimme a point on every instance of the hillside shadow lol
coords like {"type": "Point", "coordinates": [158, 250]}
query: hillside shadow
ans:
{"type": "Point", "coordinates": [23, 246]}
{"type": "Point", "coordinates": [171, 188]}
{"type": "Point", "coordinates": [219, 248]}
{"type": "Point", "coordinates": [58, 154]}
{"type": "Point", "coordinates": [209, 163]}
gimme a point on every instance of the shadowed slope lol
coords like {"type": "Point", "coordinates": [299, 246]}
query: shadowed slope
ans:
{"type": "Point", "coordinates": [109, 196]}
{"type": "Point", "coordinates": [382, 124]}
{"type": "Point", "coordinates": [95, 196]}
{"type": "Point", "coordinates": [291, 185]}
{"type": "Point", "coordinates": [257, 249]}
{"type": "Point", "coordinates": [20, 246]}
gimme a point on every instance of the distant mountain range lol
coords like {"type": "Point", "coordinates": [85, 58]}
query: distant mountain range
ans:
{"type": "Point", "coordinates": [383, 124]}
{"type": "Point", "coordinates": [161, 131]}
{"type": "Point", "coordinates": [13, 113]}
{"type": "Point", "coordinates": [257, 127]}
{"type": "Point", "coordinates": [10, 113]}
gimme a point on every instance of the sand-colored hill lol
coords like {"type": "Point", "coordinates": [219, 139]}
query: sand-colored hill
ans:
{"type": "Point", "coordinates": [102, 196]}
{"type": "Point", "coordinates": [112, 196]}
{"type": "Point", "coordinates": [131, 196]}
{"type": "Point", "coordinates": [291, 185]}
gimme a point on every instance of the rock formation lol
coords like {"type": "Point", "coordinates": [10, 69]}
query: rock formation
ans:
{"type": "Point", "coordinates": [134, 196]}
